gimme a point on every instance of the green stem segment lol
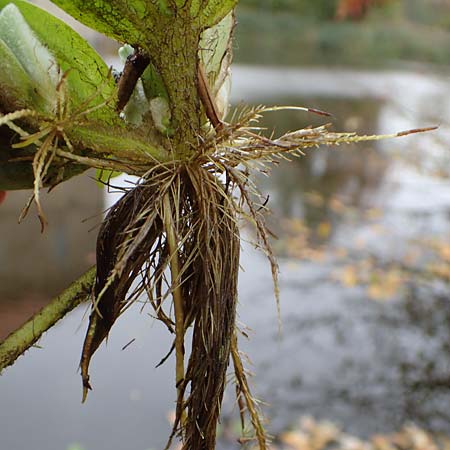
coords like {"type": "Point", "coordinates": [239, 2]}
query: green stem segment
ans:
{"type": "Point", "coordinates": [23, 338]}
{"type": "Point", "coordinates": [177, 63]}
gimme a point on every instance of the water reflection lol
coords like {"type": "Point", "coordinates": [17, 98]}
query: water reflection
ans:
{"type": "Point", "coordinates": [366, 365]}
{"type": "Point", "coordinates": [35, 266]}
{"type": "Point", "coordinates": [370, 366]}
{"type": "Point", "coordinates": [310, 188]}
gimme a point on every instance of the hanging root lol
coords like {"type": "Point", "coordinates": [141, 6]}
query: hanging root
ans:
{"type": "Point", "coordinates": [131, 237]}
{"type": "Point", "coordinates": [172, 241]}
{"type": "Point", "coordinates": [185, 221]}
{"type": "Point", "coordinates": [211, 286]}
{"type": "Point", "coordinates": [176, 235]}
{"type": "Point", "coordinates": [245, 399]}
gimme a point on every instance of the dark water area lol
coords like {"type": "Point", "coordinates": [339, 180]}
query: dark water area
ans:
{"type": "Point", "coordinates": [365, 296]}
{"type": "Point", "coordinates": [365, 317]}
{"type": "Point", "coordinates": [35, 266]}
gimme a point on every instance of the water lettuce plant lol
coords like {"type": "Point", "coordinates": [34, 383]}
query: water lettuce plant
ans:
{"type": "Point", "coordinates": [173, 238]}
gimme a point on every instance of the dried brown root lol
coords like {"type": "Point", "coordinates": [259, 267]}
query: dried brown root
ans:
{"type": "Point", "coordinates": [124, 244]}
{"type": "Point", "coordinates": [184, 223]}
{"type": "Point", "coordinates": [245, 399]}
{"type": "Point", "coordinates": [211, 286]}
{"type": "Point", "coordinates": [176, 235]}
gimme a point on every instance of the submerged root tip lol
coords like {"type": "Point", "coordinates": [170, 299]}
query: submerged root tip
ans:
{"type": "Point", "coordinates": [86, 388]}
{"type": "Point", "coordinates": [43, 222]}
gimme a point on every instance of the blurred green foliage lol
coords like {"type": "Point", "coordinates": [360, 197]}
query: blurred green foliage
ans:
{"type": "Point", "coordinates": [433, 13]}
{"type": "Point", "coordinates": [318, 9]}
{"type": "Point", "coordinates": [302, 32]}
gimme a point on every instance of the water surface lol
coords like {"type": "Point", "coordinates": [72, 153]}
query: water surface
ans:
{"type": "Point", "coordinates": [368, 365]}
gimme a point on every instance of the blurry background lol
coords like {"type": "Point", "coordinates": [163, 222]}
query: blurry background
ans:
{"type": "Point", "coordinates": [363, 244]}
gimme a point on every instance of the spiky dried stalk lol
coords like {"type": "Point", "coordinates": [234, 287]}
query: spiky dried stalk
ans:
{"type": "Point", "coordinates": [181, 218]}
{"type": "Point", "coordinates": [173, 242]}
{"type": "Point", "coordinates": [211, 285]}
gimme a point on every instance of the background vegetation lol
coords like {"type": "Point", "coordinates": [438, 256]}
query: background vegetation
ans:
{"type": "Point", "coordinates": [307, 32]}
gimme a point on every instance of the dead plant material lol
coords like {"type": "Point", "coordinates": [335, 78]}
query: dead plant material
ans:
{"type": "Point", "coordinates": [135, 66]}
{"type": "Point", "coordinates": [121, 252]}
{"type": "Point", "coordinates": [181, 218]}
{"type": "Point", "coordinates": [175, 234]}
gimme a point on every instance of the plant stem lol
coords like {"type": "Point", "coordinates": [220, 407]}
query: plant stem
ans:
{"type": "Point", "coordinates": [177, 62]}
{"type": "Point", "coordinates": [177, 295]}
{"type": "Point", "coordinates": [243, 388]}
{"type": "Point", "coordinates": [24, 337]}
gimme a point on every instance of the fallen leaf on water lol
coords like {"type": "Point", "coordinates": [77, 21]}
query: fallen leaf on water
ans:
{"type": "Point", "coordinates": [444, 252]}
{"type": "Point", "coordinates": [381, 442]}
{"type": "Point", "coordinates": [324, 230]}
{"type": "Point", "coordinates": [349, 276]}
{"type": "Point", "coordinates": [296, 440]}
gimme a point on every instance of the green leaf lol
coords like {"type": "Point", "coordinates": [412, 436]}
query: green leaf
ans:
{"type": "Point", "coordinates": [215, 43]}
{"type": "Point", "coordinates": [61, 49]}
{"type": "Point", "coordinates": [17, 90]}
{"type": "Point", "coordinates": [104, 176]}
{"type": "Point", "coordinates": [117, 141]}
{"type": "Point", "coordinates": [87, 71]}
{"type": "Point", "coordinates": [124, 20]}
{"type": "Point", "coordinates": [153, 84]}
{"type": "Point", "coordinates": [35, 59]}
{"type": "Point", "coordinates": [216, 50]}
{"type": "Point", "coordinates": [142, 21]}
{"type": "Point", "coordinates": [214, 11]}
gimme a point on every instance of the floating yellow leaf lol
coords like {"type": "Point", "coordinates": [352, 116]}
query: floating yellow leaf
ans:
{"type": "Point", "coordinates": [314, 198]}
{"type": "Point", "coordinates": [296, 440]}
{"type": "Point", "coordinates": [349, 276]}
{"type": "Point", "coordinates": [337, 206]}
{"type": "Point", "coordinates": [324, 230]}
{"type": "Point", "coordinates": [382, 443]}
{"type": "Point", "coordinates": [444, 252]}
{"type": "Point", "coordinates": [385, 285]}
{"type": "Point", "coordinates": [374, 214]}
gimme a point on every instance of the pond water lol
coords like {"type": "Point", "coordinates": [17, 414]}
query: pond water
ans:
{"type": "Point", "coordinates": [364, 261]}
